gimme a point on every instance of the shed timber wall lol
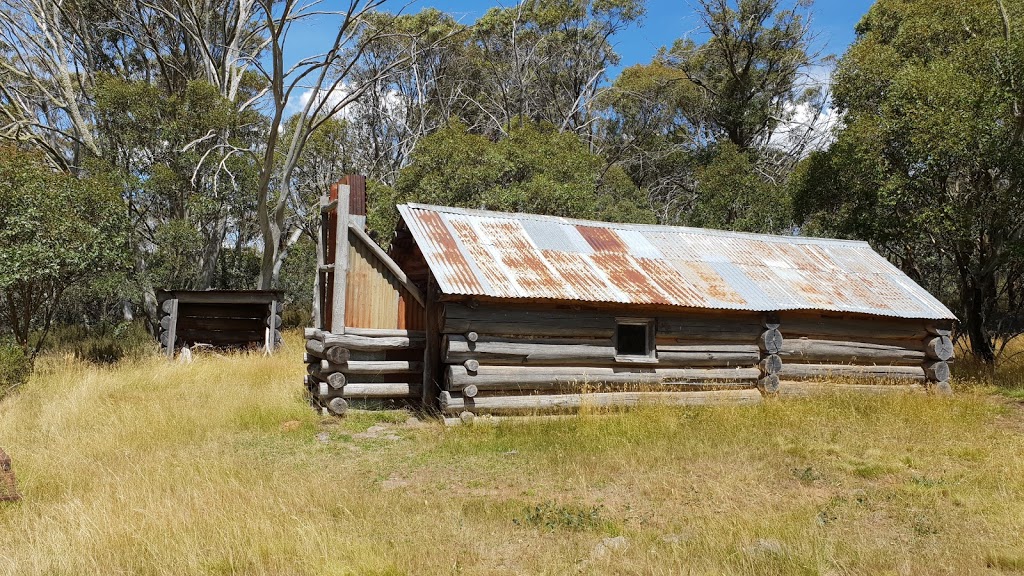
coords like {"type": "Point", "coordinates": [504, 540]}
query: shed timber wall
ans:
{"type": "Point", "coordinates": [500, 357]}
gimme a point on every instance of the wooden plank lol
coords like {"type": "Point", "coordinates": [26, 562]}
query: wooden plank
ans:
{"type": "Point", "coordinates": [709, 327]}
{"type": "Point", "coordinates": [826, 371]}
{"type": "Point", "coordinates": [172, 327]}
{"type": "Point", "coordinates": [228, 297]}
{"type": "Point", "coordinates": [377, 367]}
{"type": "Point", "coordinates": [710, 354]}
{"type": "Point", "coordinates": [509, 351]}
{"type": "Point", "coordinates": [385, 333]}
{"type": "Point", "coordinates": [800, 389]}
{"type": "Point", "coordinates": [459, 319]}
{"type": "Point", "coordinates": [544, 377]}
{"type": "Point", "coordinates": [340, 262]}
{"type": "Point", "coordinates": [814, 351]}
{"type": "Point", "coordinates": [456, 403]}
{"type": "Point", "coordinates": [365, 343]}
{"type": "Point", "coordinates": [240, 324]}
{"type": "Point", "coordinates": [852, 329]}
{"type": "Point", "coordinates": [392, 390]}
{"type": "Point", "coordinates": [251, 311]}
{"type": "Point", "coordinates": [231, 337]}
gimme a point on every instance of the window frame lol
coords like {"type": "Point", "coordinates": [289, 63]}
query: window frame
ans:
{"type": "Point", "coordinates": [651, 355]}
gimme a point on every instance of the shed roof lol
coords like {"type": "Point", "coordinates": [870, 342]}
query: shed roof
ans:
{"type": "Point", "coordinates": [503, 255]}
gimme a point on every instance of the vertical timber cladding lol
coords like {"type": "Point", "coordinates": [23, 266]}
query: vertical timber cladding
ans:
{"type": "Point", "coordinates": [502, 357]}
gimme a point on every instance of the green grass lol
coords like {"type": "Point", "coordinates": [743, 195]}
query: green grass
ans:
{"type": "Point", "coordinates": [219, 467]}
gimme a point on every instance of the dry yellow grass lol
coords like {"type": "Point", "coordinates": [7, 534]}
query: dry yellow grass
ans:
{"type": "Point", "coordinates": [215, 468]}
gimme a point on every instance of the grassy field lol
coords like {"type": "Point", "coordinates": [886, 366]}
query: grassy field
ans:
{"type": "Point", "coordinates": [219, 467]}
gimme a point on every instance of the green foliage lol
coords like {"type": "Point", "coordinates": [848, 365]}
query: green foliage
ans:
{"type": "Point", "coordinates": [552, 516]}
{"type": "Point", "coordinates": [535, 169]}
{"type": "Point", "coordinates": [297, 276]}
{"type": "Point", "coordinates": [104, 343]}
{"type": "Point", "coordinates": [732, 195]}
{"type": "Point", "coordinates": [15, 367]}
{"type": "Point", "coordinates": [697, 127]}
{"type": "Point", "coordinates": [929, 163]}
{"type": "Point", "coordinates": [56, 232]}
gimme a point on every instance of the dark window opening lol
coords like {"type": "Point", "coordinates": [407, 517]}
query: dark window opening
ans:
{"type": "Point", "coordinates": [631, 340]}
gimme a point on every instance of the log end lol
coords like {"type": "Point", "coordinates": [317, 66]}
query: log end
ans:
{"type": "Point", "coordinates": [467, 417]}
{"type": "Point", "coordinates": [470, 391]}
{"type": "Point", "coordinates": [942, 389]}
{"type": "Point", "coordinates": [337, 406]}
{"type": "Point", "coordinates": [472, 365]}
{"type": "Point", "coordinates": [769, 385]}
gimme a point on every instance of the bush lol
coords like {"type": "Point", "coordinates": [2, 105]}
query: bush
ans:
{"type": "Point", "coordinates": [15, 367]}
{"type": "Point", "coordinates": [102, 344]}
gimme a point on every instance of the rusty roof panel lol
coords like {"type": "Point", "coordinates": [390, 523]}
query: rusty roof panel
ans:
{"type": "Point", "coordinates": [480, 253]}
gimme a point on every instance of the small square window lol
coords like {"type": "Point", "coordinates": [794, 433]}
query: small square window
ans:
{"type": "Point", "coordinates": [634, 340]}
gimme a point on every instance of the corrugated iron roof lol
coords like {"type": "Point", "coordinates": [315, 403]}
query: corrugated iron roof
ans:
{"type": "Point", "coordinates": [502, 255]}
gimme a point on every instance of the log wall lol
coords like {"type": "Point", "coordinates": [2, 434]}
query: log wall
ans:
{"type": "Point", "coordinates": [363, 364]}
{"type": "Point", "coordinates": [500, 358]}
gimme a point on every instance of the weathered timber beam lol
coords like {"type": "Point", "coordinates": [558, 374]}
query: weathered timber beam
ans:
{"type": "Point", "coordinates": [515, 377]}
{"type": "Point", "coordinates": [937, 371]}
{"type": "Point", "coordinates": [854, 329]}
{"type": "Point", "coordinates": [460, 319]}
{"type": "Point", "coordinates": [502, 351]}
{"type": "Point", "coordinates": [364, 343]}
{"type": "Point", "coordinates": [825, 371]}
{"type": "Point", "coordinates": [376, 367]}
{"type": "Point", "coordinates": [795, 388]}
{"type": "Point", "coordinates": [384, 333]}
{"type": "Point", "coordinates": [455, 404]}
{"type": "Point", "coordinates": [709, 328]}
{"type": "Point", "coordinates": [813, 351]}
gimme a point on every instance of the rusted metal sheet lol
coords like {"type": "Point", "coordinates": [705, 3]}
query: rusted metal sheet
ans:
{"type": "Point", "coordinates": [481, 253]}
{"type": "Point", "coordinates": [374, 298]}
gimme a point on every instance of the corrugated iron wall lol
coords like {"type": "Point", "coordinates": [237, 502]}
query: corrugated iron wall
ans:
{"type": "Point", "coordinates": [374, 297]}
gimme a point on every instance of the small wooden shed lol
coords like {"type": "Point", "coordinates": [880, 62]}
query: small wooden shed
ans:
{"type": "Point", "coordinates": [222, 318]}
{"type": "Point", "coordinates": [490, 312]}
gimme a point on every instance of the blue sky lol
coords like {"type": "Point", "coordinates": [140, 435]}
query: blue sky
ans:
{"type": "Point", "coordinates": [666, 21]}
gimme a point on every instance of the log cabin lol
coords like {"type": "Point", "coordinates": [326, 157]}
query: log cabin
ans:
{"type": "Point", "coordinates": [479, 312]}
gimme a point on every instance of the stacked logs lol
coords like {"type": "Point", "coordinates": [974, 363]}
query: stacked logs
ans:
{"type": "Point", "coordinates": [770, 344]}
{"type": "Point", "coordinates": [363, 364]}
{"type": "Point", "coordinates": [938, 348]}
{"type": "Point", "coordinates": [8, 488]}
{"type": "Point", "coordinates": [903, 354]}
{"type": "Point", "coordinates": [509, 360]}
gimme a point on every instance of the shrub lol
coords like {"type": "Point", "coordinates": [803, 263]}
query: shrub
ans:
{"type": "Point", "coordinates": [15, 367]}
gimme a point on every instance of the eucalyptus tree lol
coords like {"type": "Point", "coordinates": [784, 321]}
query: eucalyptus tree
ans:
{"type": "Point", "coordinates": [929, 161]}
{"type": "Point", "coordinates": [709, 128]}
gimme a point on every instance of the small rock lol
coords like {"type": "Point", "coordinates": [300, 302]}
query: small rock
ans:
{"type": "Point", "coordinates": [323, 437]}
{"type": "Point", "coordinates": [378, 432]}
{"type": "Point", "coordinates": [672, 539]}
{"type": "Point", "coordinates": [290, 426]}
{"type": "Point", "coordinates": [511, 453]}
{"type": "Point", "coordinates": [185, 356]}
{"type": "Point", "coordinates": [605, 547]}
{"type": "Point", "coordinates": [765, 547]}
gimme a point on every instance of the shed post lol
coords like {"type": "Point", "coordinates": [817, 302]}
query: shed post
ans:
{"type": "Point", "coordinates": [171, 306]}
{"type": "Point", "coordinates": [431, 348]}
{"type": "Point", "coordinates": [340, 261]}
